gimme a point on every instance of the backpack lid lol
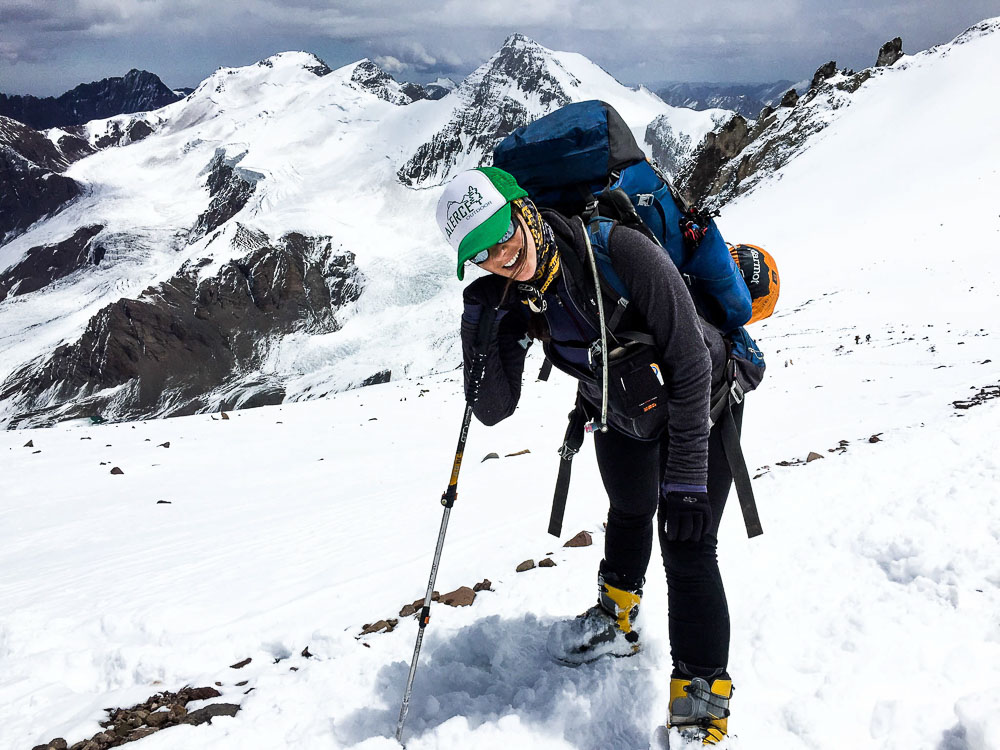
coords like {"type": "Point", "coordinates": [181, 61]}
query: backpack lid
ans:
{"type": "Point", "coordinates": [582, 142]}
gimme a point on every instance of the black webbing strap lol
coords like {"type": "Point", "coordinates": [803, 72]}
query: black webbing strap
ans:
{"type": "Point", "coordinates": [738, 466]}
{"type": "Point", "coordinates": [570, 447]}
{"type": "Point", "coordinates": [638, 337]}
{"type": "Point", "coordinates": [545, 370]}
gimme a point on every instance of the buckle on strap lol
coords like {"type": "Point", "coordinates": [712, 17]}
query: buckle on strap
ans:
{"type": "Point", "coordinates": [566, 452]}
{"type": "Point", "coordinates": [736, 392]}
{"type": "Point", "coordinates": [595, 354]}
{"type": "Point", "coordinates": [699, 707]}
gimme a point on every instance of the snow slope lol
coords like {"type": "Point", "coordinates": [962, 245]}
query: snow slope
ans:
{"type": "Point", "coordinates": [867, 616]}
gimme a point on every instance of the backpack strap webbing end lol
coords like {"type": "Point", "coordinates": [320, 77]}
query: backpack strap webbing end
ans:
{"type": "Point", "coordinates": [738, 467]}
{"type": "Point", "coordinates": [572, 442]}
{"type": "Point", "coordinates": [545, 370]}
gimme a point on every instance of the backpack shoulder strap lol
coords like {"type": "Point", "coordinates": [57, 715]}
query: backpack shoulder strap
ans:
{"type": "Point", "coordinates": [599, 231]}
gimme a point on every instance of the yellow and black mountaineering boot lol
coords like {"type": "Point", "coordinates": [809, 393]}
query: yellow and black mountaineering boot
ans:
{"type": "Point", "coordinates": [700, 710]}
{"type": "Point", "coordinates": [606, 628]}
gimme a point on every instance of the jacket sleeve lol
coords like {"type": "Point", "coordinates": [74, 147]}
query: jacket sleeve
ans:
{"type": "Point", "coordinates": [500, 387]}
{"type": "Point", "coordinates": [660, 296]}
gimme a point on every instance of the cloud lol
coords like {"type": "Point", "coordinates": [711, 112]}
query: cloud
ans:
{"type": "Point", "coordinates": [714, 40]}
{"type": "Point", "coordinates": [16, 13]}
{"type": "Point", "coordinates": [390, 64]}
{"type": "Point", "coordinates": [409, 55]}
{"type": "Point", "coordinates": [12, 53]}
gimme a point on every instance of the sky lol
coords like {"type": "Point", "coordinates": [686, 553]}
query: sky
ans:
{"type": "Point", "coordinates": [50, 46]}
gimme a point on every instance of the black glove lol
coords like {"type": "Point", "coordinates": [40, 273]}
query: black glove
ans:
{"type": "Point", "coordinates": [487, 292]}
{"type": "Point", "coordinates": [687, 513]}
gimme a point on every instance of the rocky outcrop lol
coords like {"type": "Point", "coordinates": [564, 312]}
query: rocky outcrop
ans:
{"type": "Point", "coordinates": [318, 68]}
{"type": "Point", "coordinates": [702, 173]}
{"type": "Point", "coordinates": [822, 73]}
{"type": "Point", "coordinates": [191, 343]}
{"type": "Point", "coordinates": [413, 91]}
{"type": "Point", "coordinates": [44, 264]}
{"type": "Point", "coordinates": [790, 99]}
{"type": "Point", "coordinates": [665, 145]}
{"type": "Point", "coordinates": [492, 103]}
{"type": "Point", "coordinates": [120, 132]}
{"type": "Point", "coordinates": [440, 88]}
{"type": "Point", "coordinates": [371, 78]}
{"type": "Point", "coordinates": [733, 159]}
{"type": "Point", "coordinates": [31, 183]}
{"type": "Point", "coordinates": [136, 91]}
{"type": "Point", "coordinates": [156, 713]}
{"type": "Point", "coordinates": [229, 187]}
{"type": "Point", "coordinates": [889, 53]}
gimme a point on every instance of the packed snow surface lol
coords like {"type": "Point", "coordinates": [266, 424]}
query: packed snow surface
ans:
{"type": "Point", "coordinates": [866, 616]}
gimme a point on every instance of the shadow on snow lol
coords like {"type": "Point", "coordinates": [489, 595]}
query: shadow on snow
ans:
{"type": "Point", "coordinates": [495, 668]}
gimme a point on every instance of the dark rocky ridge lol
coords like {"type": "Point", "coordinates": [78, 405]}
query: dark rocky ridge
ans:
{"type": "Point", "coordinates": [122, 133]}
{"type": "Point", "coordinates": [230, 190]}
{"type": "Point", "coordinates": [435, 91]}
{"type": "Point", "coordinates": [732, 159]}
{"type": "Point", "coordinates": [184, 342]}
{"type": "Point", "coordinates": [136, 91]}
{"type": "Point", "coordinates": [44, 264]}
{"type": "Point", "coordinates": [889, 53]}
{"type": "Point", "coordinates": [487, 115]}
{"type": "Point", "coordinates": [665, 144]}
{"type": "Point", "coordinates": [370, 77]}
{"type": "Point", "coordinates": [702, 174]}
{"type": "Point", "coordinates": [790, 98]}
{"type": "Point", "coordinates": [416, 92]}
{"type": "Point", "coordinates": [31, 183]}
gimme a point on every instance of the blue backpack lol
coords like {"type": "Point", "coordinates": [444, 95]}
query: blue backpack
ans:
{"type": "Point", "coordinates": [582, 160]}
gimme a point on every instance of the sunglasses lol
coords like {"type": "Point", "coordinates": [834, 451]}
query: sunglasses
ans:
{"type": "Point", "coordinates": [483, 255]}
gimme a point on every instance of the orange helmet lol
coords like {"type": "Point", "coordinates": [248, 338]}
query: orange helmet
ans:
{"type": "Point", "coordinates": [761, 276]}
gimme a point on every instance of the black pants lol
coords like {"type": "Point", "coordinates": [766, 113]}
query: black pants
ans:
{"type": "Point", "coordinates": [697, 609]}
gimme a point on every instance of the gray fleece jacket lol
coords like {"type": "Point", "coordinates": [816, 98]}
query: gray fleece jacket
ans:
{"type": "Point", "coordinates": [691, 352]}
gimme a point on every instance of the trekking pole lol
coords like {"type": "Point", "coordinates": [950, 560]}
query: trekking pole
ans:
{"type": "Point", "coordinates": [486, 321]}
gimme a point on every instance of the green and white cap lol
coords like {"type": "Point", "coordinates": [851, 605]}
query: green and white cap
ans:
{"type": "Point", "coordinates": [474, 210]}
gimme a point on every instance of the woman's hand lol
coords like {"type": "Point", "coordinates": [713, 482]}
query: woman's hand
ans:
{"type": "Point", "coordinates": [687, 512]}
{"type": "Point", "coordinates": [487, 292]}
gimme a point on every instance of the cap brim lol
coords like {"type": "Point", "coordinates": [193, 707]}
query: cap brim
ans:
{"type": "Point", "coordinates": [486, 234]}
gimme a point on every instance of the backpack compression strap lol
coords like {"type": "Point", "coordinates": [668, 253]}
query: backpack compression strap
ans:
{"type": "Point", "coordinates": [722, 415]}
{"type": "Point", "coordinates": [572, 442]}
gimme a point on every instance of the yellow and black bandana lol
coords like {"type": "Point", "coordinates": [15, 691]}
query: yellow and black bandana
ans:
{"type": "Point", "coordinates": [545, 242]}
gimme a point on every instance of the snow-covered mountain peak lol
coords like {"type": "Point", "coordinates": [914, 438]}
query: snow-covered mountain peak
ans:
{"type": "Point", "coordinates": [295, 58]}
{"type": "Point", "coordinates": [526, 65]}
{"type": "Point", "coordinates": [444, 83]}
{"type": "Point", "coordinates": [368, 75]}
{"type": "Point", "coordinates": [281, 69]}
{"type": "Point", "coordinates": [517, 39]}
{"type": "Point", "coordinates": [524, 80]}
